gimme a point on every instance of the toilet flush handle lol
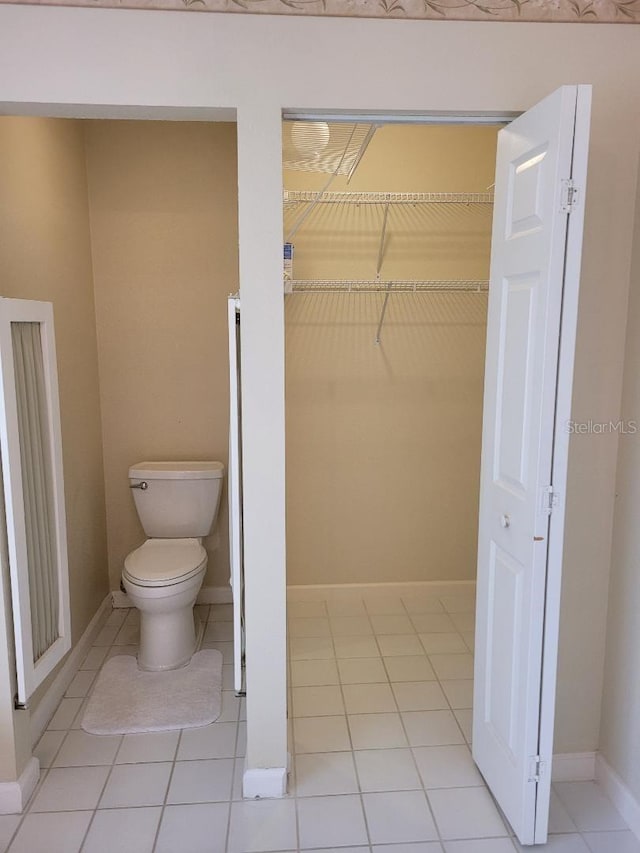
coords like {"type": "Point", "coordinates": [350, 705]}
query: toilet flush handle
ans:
{"type": "Point", "coordinates": [141, 485]}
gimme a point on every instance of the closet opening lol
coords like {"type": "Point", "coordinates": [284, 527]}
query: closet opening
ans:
{"type": "Point", "coordinates": [387, 241]}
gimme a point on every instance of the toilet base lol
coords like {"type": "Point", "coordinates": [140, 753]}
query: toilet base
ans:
{"type": "Point", "coordinates": [168, 635]}
{"type": "Point", "coordinates": [167, 640]}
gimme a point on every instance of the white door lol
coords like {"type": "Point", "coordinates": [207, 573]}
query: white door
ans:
{"type": "Point", "coordinates": [235, 495]}
{"type": "Point", "coordinates": [536, 245]}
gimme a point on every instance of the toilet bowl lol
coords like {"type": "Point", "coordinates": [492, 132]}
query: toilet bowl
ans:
{"type": "Point", "coordinates": [163, 578]}
{"type": "Point", "coordinates": [177, 503]}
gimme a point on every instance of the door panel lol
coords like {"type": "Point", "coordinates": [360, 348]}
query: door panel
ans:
{"type": "Point", "coordinates": [515, 363]}
{"type": "Point", "coordinates": [535, 154]}
{"type": "Point", "coordinates": [526, 193]}
{"type": "Point", "coordinates": [500, 698]}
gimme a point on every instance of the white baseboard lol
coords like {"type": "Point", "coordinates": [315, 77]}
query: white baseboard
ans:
{"type": "Point", "coordinates": [619, 794]}
{"type": "Point", "coordinates": [207, 595]}
{"type": "Point", "coordinates": [215, 595]}
{"type": "Point", "coordinates": [574, 767]}
{"type": "Point", "coordinates": [266, 783]}
{"type": "Point", "coordinates": [15, 795]}
{"type": "Point", "coordinates": [316, 592]}
{"type": "Point", "coordinates": [119, 599]}
{"type": "Point", "coordinates": [46, 708]}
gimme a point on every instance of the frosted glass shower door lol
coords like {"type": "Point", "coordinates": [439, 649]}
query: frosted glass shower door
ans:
{"type": "Point", "coordinates": [31, 447]}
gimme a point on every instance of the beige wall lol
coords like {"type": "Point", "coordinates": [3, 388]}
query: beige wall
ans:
{"type": "Point", "coordinates": [45, 254]}
{"type": "Point", "coordinates": [619, 741]}
{"type": "Point", "coordinates": [163, 201]}
{"type": "Point", "coordinates": [383, 442]}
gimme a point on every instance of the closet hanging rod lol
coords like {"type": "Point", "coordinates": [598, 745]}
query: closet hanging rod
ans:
{"type": "Point", "coordinates": [386, 198]}
{"type": "Point", "coordinates": [393, 286]}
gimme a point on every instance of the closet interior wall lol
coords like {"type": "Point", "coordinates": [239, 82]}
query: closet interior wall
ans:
{"type": "Point", "coordinates": [383, 441]}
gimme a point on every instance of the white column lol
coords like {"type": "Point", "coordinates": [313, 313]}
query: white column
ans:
{"type": "Point", "coordinates": [262, 355]}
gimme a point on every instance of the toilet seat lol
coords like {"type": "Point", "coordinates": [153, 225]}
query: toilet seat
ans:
{"type": "Point", "coordinates": [164, 562]}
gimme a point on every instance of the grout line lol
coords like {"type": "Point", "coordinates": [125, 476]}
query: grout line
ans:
{"type": "Point", "coordinates": [57, 751]}
{"type": "Point", "coordinates": [227, 833]}
{"type": "Point", "coordinates": [295, 805]}
{"type": "Point", "coordinates": [236, 759]}
{"type": "Point", "coordinates": [166, 793]}
{"type": "Point", "coordinates": [410, 748]}
{"type": "Point", "coordinates": [106, 781]}
{"type": "Point", "coordinates": [36, 791]}
{"type": "Point", "coordinates": [353, 756]}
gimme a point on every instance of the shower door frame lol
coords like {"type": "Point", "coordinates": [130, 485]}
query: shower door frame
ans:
{"type": "Point", "coordinates": [29, 672]}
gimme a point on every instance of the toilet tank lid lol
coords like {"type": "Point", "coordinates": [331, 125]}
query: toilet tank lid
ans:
{"type": "Point", "coordinates": [176, 471]}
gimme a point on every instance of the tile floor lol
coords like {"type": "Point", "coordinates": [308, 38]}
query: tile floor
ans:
{"type": "Point", "coordinates": [380, 704]}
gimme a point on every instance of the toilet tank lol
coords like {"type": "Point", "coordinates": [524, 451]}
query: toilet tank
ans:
{"type": "Point", "coordinates": [180, 500]}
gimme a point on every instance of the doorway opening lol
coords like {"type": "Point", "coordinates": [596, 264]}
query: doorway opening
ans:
{"type": "Point", "coordinates": [531, 317]}
{"type": "Point", "coordinates": [387, 233]}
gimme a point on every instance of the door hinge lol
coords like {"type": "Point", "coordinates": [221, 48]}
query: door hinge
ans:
{"type": "Point", "coordinates": [568, 195]}
{"type": "Point", "coordinates": [536, 768]}
{"type": "Point", "coordinates": [549, 499]}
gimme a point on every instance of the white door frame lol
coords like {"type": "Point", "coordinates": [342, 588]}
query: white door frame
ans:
{"type": "Point", "coordinates": [560, 464]}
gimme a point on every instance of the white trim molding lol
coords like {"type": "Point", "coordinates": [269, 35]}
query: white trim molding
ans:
{"type": "Point", "coordinates": [573, 767]}
{"type": "Point", "coordinates": [560, 11]}
{"type": "Point", "coordinates": [120, 599]}
{"type": "Point", "coordinates": [47, 706]}
{"type": "Point", "coordinates": [215, 595]}
{"type": "Point", "coordinates": [318, 592]}
{"type": "Point", "coordinates": [593, 766]}
{"type": "Point", "coordinates": [618, 793]}
{"type": "Point", "coordinates": [264, 783]}
{"type": "Point", "coordinates": [15, 795]}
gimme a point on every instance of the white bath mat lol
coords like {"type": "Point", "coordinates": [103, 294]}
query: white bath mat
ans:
{"type": "Point", "coordinates": [126, 699]}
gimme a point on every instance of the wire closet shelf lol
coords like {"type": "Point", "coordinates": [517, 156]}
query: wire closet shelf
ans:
{"type": "Point", "coordinates": [379, 286]}
{"type": "Point", "coordinates": [302, 204]}
{"type": "Point", "coordinates": [292, 197]}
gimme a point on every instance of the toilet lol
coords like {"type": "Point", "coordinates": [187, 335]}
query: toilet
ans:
{"type": "Point", "coordinates": [177, 503]}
